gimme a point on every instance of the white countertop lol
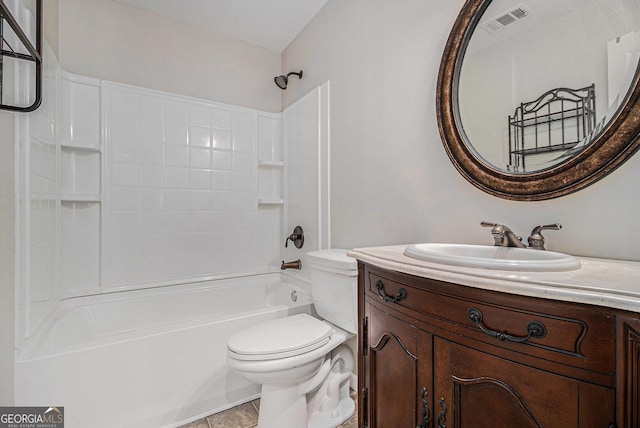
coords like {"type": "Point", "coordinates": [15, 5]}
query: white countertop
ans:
{"type": "Point", "coordinates": [601, 282]}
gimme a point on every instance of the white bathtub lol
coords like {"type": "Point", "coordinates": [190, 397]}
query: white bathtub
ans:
{"type": "Point", "coordinates": [149, 358]}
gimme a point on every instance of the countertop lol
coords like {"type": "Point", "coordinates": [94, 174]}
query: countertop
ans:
{"type": "Point", "coordinates": [601, 282]}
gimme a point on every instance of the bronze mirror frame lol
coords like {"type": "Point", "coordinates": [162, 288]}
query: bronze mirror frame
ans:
{"type": "Point", "coordinates": [618, 141]}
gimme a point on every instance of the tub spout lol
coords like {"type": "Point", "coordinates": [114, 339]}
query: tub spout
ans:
{"type": "Point", "coordinates": [291, 265]}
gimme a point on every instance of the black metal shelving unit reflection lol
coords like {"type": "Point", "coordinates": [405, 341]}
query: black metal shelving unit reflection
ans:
{"type": "Point", "coordinates": [34, 53]}
{"type": "Point", "coordinates": [556, 121]}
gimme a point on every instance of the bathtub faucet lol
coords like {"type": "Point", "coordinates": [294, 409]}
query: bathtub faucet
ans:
{"type": "Point", "coordinates": [291, 265]}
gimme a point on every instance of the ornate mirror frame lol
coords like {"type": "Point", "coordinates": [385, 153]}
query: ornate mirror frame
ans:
{"type": "Point", "coordinates": [616, 143]}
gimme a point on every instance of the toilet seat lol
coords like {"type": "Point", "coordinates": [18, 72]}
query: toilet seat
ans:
{"type": "Point", "coordinates": [280, 338]}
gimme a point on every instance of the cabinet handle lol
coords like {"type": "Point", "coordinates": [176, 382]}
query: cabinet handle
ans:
{"type": "Point", "coordinates": [442, 417]}
{"type": "Point", "coordinates": [425, 409]}
{"type": "Point", "coordinates": [401, 295]}
{"type": "Point", "coordinates": [534, 328]}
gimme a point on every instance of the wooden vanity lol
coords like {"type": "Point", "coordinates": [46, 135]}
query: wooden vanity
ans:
{"type": "Point", "coordinates": [449, 349]}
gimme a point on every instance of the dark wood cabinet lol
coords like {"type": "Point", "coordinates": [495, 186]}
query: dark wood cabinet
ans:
{"type": "Point", "coordinates": [397, 356]}
{"type": "Point", "coordinates": [486, 391]}
{"type": "Point", "coordinates": [439, 355]}
{"type": "Point", "coordinates": [628, 393]}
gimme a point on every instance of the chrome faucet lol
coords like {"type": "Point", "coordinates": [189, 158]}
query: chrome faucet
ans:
{"type": "Point", "coordinates": [536, 240]}
{"type": "Point", "coordinates": [503, 236]}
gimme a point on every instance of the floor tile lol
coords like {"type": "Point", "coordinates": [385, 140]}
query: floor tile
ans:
{"type": "Point", "coordinates": [246, 416]}
{"type": "Point", "coordinates": [243, 416]}
{"type": "Point", "coordinates": [201, 423]}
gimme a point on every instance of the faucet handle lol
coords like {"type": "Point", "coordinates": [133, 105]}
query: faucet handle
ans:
{"type": "Point", "coordinates": [503, 236]}
{"type": "Point", "coordinates": [297, 237]}
{"type": "Point", "coordinates": [488, 224]}
{"type": "Point", "coordinates": [536, 240]}
{"type": "Point", "coordinates": [497, 231]}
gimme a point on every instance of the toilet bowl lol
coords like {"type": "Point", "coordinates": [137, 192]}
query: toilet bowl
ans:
{"type": "Point", "coordinates": [301, 361]}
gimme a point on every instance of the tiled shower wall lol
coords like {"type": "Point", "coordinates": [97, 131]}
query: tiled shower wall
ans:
{"type": "Point", "coordinates": [180, 196]}
{"type": "Point", "coordinates": [122, 187]}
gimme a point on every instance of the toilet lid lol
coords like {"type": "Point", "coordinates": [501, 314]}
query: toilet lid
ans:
{"type": "Point", "coordinates": [280, 338]}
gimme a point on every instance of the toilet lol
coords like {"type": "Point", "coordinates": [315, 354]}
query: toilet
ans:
{"type": "Point", "coordinates": [301, 361]}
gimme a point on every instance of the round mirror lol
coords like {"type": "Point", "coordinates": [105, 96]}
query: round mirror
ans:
{"type": "Point", "coordinates": [539, 100]}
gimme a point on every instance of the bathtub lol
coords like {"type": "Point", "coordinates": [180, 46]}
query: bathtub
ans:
{"type": "Point", "coordinates": [153, 357]}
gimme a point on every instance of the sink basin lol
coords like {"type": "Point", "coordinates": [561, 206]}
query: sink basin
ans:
{"type": "Point", "coordinates": [491, 257]}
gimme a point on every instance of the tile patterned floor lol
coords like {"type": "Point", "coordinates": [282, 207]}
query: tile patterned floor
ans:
{"type": "Point", "coordinates": [246, 416]}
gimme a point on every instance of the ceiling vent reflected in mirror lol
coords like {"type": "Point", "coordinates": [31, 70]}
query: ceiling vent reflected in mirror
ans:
{"type": "Point", "coordinates": [505, 19]}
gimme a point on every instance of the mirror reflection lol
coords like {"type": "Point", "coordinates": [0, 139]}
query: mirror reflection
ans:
{"type": "Point", "coordinates": [540, 79]}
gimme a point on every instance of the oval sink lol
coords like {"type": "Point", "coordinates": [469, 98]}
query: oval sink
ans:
{"type": "Point", "coordinates": [491, 257]}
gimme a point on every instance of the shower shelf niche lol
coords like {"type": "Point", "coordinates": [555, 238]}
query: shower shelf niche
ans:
{"type": "Point", "coordinates": [270, 176]}
{"type": "Point", "coordinates": [270, 161]}
{"type": "Point", "coordinates": [76, 147]}
{"type": "Point", "coordinates": [270, 164]}
{"type": "Point", "coordinates": [79, 174]}
{"type": "Point", "coordinates": [270, 201]}
{"type": "Point", "coordinates": [80, 178]}
{"type": "Point", "coordinates": [80, 197]}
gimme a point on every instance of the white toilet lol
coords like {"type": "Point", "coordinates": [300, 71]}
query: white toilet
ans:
{"type": "Point", "coordinates": [300, 361]}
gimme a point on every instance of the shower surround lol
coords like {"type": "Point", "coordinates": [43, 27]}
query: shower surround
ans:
{"type": "Point", "coordinates": [122, 190]}
{"type": "Point", "coordinates": [125, 187]}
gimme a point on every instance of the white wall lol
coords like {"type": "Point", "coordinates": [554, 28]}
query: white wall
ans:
{"type": "Point", "coordinates": [111, 41]}
{"type": "Point", "coordinates": [7, 258]}
{"type": "Point", "coordinates": [486, 73]}
{"type": "Point", "coordinates": [392, 182]}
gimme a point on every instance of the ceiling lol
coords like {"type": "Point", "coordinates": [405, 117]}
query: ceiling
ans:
{"type": "Point", "coordinates": [271, 24]}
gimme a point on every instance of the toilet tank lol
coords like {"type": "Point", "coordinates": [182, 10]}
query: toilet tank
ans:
{"type": "Point", "coordinates": [334, 287]}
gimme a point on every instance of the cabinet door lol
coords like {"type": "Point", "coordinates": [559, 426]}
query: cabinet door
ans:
{"type": "Point", "coordinates": [629, 372]}
{"type": "Point", "coordinates": [479, 390]}
{"type": "Point", "coordinates": [398, 376]}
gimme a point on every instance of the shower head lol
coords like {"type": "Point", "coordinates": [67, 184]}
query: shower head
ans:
{"type": "Point", "coordinates": [283, 80]}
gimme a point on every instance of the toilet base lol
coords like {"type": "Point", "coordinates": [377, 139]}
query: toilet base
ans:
{"type": "Point", "coordinates": [323, 401]}
{"type": "Point", "coordinates": [273, 414]}
{"type": "Point", "coordinates": [282, 407]}
{"type": "Point", "coordinates": [330, 404]}
{"type": "Point", "coordinates": [333, 418]}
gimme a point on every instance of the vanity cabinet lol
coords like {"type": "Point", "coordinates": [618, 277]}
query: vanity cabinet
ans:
{"type": "Point", "coordinates": [435, 354]}
{"type": "Point", "coordinates": [399, 358]}
{"type": "Point", "coordinates": [628, 393]}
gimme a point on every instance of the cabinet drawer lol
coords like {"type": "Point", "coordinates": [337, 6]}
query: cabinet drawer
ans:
{"type": "Point", "coordinates": [565, 333]}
